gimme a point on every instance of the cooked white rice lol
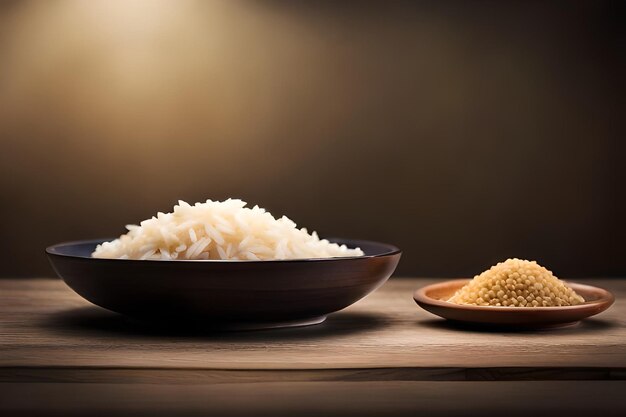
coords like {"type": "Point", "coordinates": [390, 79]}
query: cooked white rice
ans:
{"type": "Point", "coordinates": [224, 230]}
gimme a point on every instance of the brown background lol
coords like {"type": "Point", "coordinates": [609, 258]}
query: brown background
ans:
{"type": "Point", "coordinates": [463, 132]}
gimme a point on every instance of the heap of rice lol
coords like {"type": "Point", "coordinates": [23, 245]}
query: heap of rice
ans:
{"type": "Point", "coordinates": [224, 230]}
{"type": "Point", "coordinates": [517, 283]}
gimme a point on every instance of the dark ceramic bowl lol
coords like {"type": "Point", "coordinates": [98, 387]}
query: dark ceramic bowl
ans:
{"type": "Point", "coordinates": [225, 294]}
{"type": "Point", "coordinates": [432, 298]}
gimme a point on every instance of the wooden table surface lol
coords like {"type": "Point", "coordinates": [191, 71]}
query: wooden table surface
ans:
{"type": "Point", "coordinates": [59, 355]}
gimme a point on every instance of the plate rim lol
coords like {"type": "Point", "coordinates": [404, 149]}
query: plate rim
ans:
{"type": "Point", "coordinates": [420, 297]}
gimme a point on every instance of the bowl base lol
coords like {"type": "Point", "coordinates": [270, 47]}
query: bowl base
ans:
{"type": "Point", "coordinates": [265, 325]}
{"type": "Point", "coordinates": [233, 326]}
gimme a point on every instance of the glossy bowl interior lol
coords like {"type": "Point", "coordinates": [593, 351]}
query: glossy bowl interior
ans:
{"type": "Point", "coordinates": [229, 294]}
{"type": "Point", "coordinates": [433, 298]}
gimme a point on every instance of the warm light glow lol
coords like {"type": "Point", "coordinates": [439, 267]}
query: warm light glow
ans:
{"type": "Point", "coordinates": [341, 114]}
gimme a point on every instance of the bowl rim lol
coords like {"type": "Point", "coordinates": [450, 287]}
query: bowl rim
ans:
{"type": "Point", "coordinates": [421, 297]}
{"type": "Point", "coordinates": [53, 250]}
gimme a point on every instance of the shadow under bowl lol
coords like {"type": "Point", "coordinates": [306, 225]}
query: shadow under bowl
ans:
{"type": "Point", "coordinates": [433, 298]}
{"type": "Point", "coordinates": [230, 295]}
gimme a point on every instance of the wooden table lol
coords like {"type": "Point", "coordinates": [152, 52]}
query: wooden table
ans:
{"type": "Point", "coordinates": [59, 355]}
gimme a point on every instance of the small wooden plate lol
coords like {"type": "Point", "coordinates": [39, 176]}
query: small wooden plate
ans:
{"type": "Point", "coordinates": [433, 298]}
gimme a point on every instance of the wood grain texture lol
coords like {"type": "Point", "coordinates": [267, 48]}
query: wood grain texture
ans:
{"type": "Point", "coordinates": [61, 356]}
{"type": "Point", "coordinates": [394, 398]}
{"type": "Point", "coordinates": [46, 328]}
